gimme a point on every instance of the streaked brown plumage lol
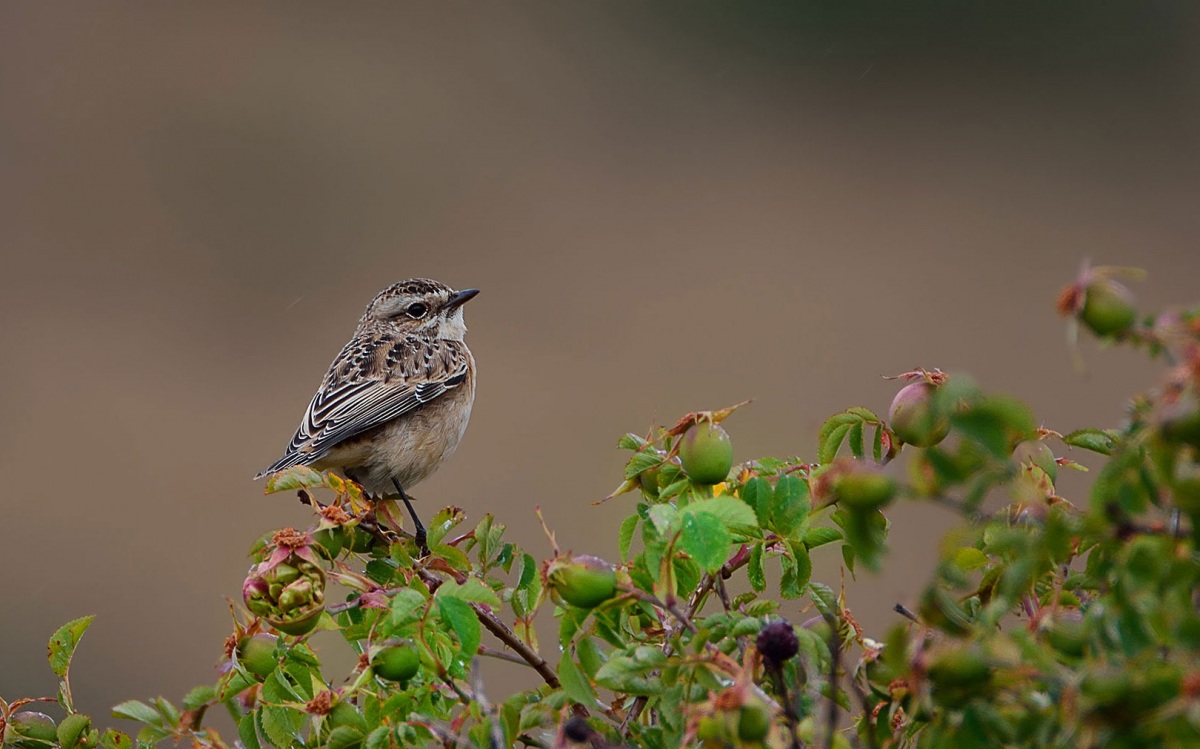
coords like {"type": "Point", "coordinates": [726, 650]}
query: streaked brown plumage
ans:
{"type": "Point", "coordinates": [396, 400]}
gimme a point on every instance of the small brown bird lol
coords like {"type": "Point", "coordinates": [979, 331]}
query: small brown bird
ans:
{"type": "Point", "coordinates": [396, 400]}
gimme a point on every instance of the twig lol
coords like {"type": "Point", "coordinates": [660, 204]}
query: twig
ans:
{"type": "Point", "coordinates": [775, 670]}
{"type": "Point", "coordinates": [739, 559]}
{"type": "Point", "coordinates": [835, 659]}
{"type": "Point", "coordinates": [907, 613]}
{"type": "Point", "coordinates": [509, 638]}
{"type": "Point", "coordinates": [497, 733]}
{"type": "Point", "coordinates": [500, 655]}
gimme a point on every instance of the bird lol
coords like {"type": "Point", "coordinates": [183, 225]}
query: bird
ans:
{"type": "Point", "coordinates": [397, 398]}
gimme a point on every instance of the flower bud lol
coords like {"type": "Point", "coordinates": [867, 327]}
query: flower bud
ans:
{"type": "Point", "coordinates": [287, 588]}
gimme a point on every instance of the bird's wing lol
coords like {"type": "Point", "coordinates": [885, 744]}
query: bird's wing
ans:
{"type": "Point", "coordinates": [370, 383]}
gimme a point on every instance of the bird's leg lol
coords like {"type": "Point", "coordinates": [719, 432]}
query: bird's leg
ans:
{"type": "Point", "coordinates": [419, 529]}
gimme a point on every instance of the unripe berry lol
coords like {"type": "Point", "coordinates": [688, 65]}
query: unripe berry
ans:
{"type": "Point", "coordinates": [1107, 307]}
{"type": "Point", "coordinates": [257, 654]}
{"type": "Point", "coordinates": [584, 581]}
{"type": "Point", "coordinates": [706, 453]}
{"type": "Point", "coordinates": [912, 417]}
{"type": "Point", "coordinates": [397, 661]}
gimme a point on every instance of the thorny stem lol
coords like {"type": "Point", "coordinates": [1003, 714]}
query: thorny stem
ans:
{"type": "Point", "coordinates": [739, 559]}
{"type": "Point", "coordinates": [775, 670]}
{"type": "Point", "coordinates": [835, 659]}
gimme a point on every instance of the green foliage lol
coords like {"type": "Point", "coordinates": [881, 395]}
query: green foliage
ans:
{"type": "Point", "coordinates": [1050, 621]}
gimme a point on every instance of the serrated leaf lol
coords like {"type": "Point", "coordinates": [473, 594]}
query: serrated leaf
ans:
{"type": "Point", "coordinates": [199, 697]}
{"type": "Point", "coordinates": [575, 684]}
{"type": "Point", "coordinates": [631, 441]}
{"type": "Point", "coordinates": [380, 738]}
{"type": "Point", "coordinates": [625, 535]}
{"type": "Point", "coordinates": [642, 461]}
{"type": "Point", "coordinates": [729, 510]}
{"type": "Point", "coordinates": [461, 618]}
{"type": "Point", "coordinates": [296, 477]}
{"type": "Point", "coordinates": [790, 504]}
{"type": "Point", "coordinates": [281, 725]}
{"type": "Point", "coordinates": [114, 739]}
{"type": "Point", "coordinates": [247, 732]}
{"type": "Point", "coordinates": [665, 519]}
{"type": "Point", "coordinates": [706, 539]}
{"type": "Point", "coordinates": [139, 711]}
{"type": "Point", "coordinates": [757, 493]}
{"type": "Point", "coordinates": [407, 606]}
{"type": "Point", "coordinates": [797, 571]}
{"type": "Point", "coordinates": [64, 641]}
{"type": "Point", "coordinates": [755, 571]}
{"type": "Point", "coordinates": [824, 599]}
{"type": "Point", "coordinates": [855, 438]}
{"type": "Point", "coordinates": [276, 688]}
{"type": "Point", "coordinates": [625, 674]}
{"type": "Point", "coordinates": [472, 590]}
{"type": "Point", "coordinates": [1096, 440]}
{"type": "Point", "coordinates": [820, 536]}
{"type": "Point", "coordinates": [827, 448]}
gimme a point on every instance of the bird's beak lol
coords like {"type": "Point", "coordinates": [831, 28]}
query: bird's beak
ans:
{"type": "Point", "coordinates": [459, 298]}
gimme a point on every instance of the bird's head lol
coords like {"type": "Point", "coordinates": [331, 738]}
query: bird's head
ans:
{"type": "Point", "coordinates": [420, 306]}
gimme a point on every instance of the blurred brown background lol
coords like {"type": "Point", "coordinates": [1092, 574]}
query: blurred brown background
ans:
{"type": "Point", "coordinates": [667, 206]}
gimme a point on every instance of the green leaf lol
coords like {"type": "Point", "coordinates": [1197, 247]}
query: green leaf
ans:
{"type": "Point", "coordinates": [472, 590]}
{"type": "Point", "coordinates": [1096, 440]}
{"type": "Point", "coordinates": [855, 437]}
{"type": "Point", "coordinates": [296, 477]}
{"type": "Point", "coordinates": [64, 641]}
{"type": "Point", "coordinates": [824, 599]}
{"type": "Point", "coordinates": [830, 442]}
{"type": "Point", "coordinates": [665, 519]}
{"type": "Point", "coordinates": [628, 675]}
{"type": "Point", "coordinates": [757, 493]}
{"type": "Point", "coordinates": [729, 510]}
{"type": "Point", "coordinates": [575, 684]}
{"type": "Point", "coordinates": [631, 441]}
{"type": "Point", "coordinates": [199, 696]}
{"type": "Point", "coordinates": [706, 539]}
{"type": "Point", "coordinates": [139, 711]}
{"type": "Point", "coordinates": [591, 658]}
{"type": "Point", "coordinates": [790, 505]}
{"type": "Point", "coordinates": [797, 571]}
{"type": "Point", "coordinates": [996, 422]}
{"type": "Point", "coordinates": [407, 606]}
{"type": "Point", "coordinates": [380, 738]}
{"type": "Point", "coordinates": [282, 725]}
{"type": "Point", "coordinates": [247, 732]}
{"type": "Point", "coordinates": [642, 461]}
{"type": "Point", "coordinates": [114, 739]}
{"type": "Point", "coordinates": [820, 536]}
{"type": "Point", "coordinates": [758, 578]}
{"type": "Point", "coordinates": [461, 618]}
{"type": "Point", "coordinates": [968, 558]}
{"type": "Point", "coordinates": [625, 535]}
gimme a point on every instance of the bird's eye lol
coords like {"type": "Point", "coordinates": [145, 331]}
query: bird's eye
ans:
{"type": "Point", "coordinates": [417, 310]}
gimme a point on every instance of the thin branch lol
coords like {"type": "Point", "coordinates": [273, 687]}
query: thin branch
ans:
{"type": "Point", "coordinates": [835, 660]}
